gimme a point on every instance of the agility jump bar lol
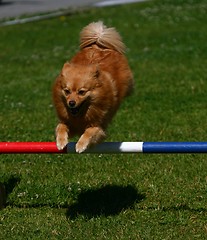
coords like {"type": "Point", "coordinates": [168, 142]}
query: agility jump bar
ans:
{"type": "Point", "coordinates": [106, 147]}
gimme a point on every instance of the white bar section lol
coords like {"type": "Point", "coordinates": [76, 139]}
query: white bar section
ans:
{"type": "Point", "coordinates": [131, 147]}
{"type": "Point", "coordinates": [111, 147]}
{"type": "Point", "coordinates": [115, 2]}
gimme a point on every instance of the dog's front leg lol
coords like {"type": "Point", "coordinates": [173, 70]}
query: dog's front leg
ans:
{"type": "Point", "coordinates": [62, 132]}
{"type": "Point", "coordinates": [90, 137]}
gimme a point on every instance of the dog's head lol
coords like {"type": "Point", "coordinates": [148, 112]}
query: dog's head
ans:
{"type": "Point", "coordinates": [78, 84]}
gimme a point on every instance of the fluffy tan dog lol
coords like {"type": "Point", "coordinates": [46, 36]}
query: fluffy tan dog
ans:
{"type": "Point", "coordinates": [90, 88]}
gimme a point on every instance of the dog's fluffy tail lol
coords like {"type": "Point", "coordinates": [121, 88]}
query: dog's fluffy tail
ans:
{"type": "Point", "coordinates": [97, 33]}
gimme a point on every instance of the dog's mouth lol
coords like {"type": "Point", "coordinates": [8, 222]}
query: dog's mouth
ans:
{"type": "Point", "coordinates": [75, 111]}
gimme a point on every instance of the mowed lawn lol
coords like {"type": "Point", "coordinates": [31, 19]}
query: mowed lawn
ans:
{"type": "Point", "coordinates": [131, 196]}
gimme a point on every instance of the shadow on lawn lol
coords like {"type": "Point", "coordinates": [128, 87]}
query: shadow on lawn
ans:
{"type": "Point", "coordinates": [6, 188]}
{"type": "Point", "coordinates": [105, 201]}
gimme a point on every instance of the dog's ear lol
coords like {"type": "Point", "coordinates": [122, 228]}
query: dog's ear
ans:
{"type": "Point", "coordinates": [96, 71]}
{"type": "Point", "coordinates": [67, 65]}
{"type": "Point", "coordinates": [65, 69]}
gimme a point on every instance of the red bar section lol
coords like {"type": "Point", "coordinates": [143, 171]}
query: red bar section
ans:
{"type": "Point", "coordinates": [29, 147]}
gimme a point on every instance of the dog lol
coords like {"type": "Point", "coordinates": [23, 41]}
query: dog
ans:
{"type": "Point", "coordinates": [90, 87]}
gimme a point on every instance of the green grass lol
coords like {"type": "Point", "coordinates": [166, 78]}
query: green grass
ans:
{"type": "Point", "coordinates": [109, 196]}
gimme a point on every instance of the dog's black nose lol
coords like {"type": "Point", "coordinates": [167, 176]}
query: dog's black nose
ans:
{"type": "Point", "coordinates": [72, 103]}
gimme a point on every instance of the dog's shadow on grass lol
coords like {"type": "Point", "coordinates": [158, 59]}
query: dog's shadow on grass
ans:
{"type": "Point", "coordinates": [105, 201]}
{"type": "Point", "coordinates": [6, 188]}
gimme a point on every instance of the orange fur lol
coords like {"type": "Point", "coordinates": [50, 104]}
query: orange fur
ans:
{"type": "Point", "coordinates": [90, 88]}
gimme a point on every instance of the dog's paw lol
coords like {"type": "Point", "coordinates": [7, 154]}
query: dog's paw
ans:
{"type": "Point", "coordinates": [61, 143]}
{"type": "Point", "coordinates": [81, 146]}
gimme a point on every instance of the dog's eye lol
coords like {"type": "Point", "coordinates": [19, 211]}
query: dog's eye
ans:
{"type": "Point", "coordinates": [66, 91]}
{"type": "Point", "coordinates": [81, 92]}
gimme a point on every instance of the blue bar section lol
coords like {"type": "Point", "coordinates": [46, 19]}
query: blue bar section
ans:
{"type": "Point", "coordinates": [175, 147]}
